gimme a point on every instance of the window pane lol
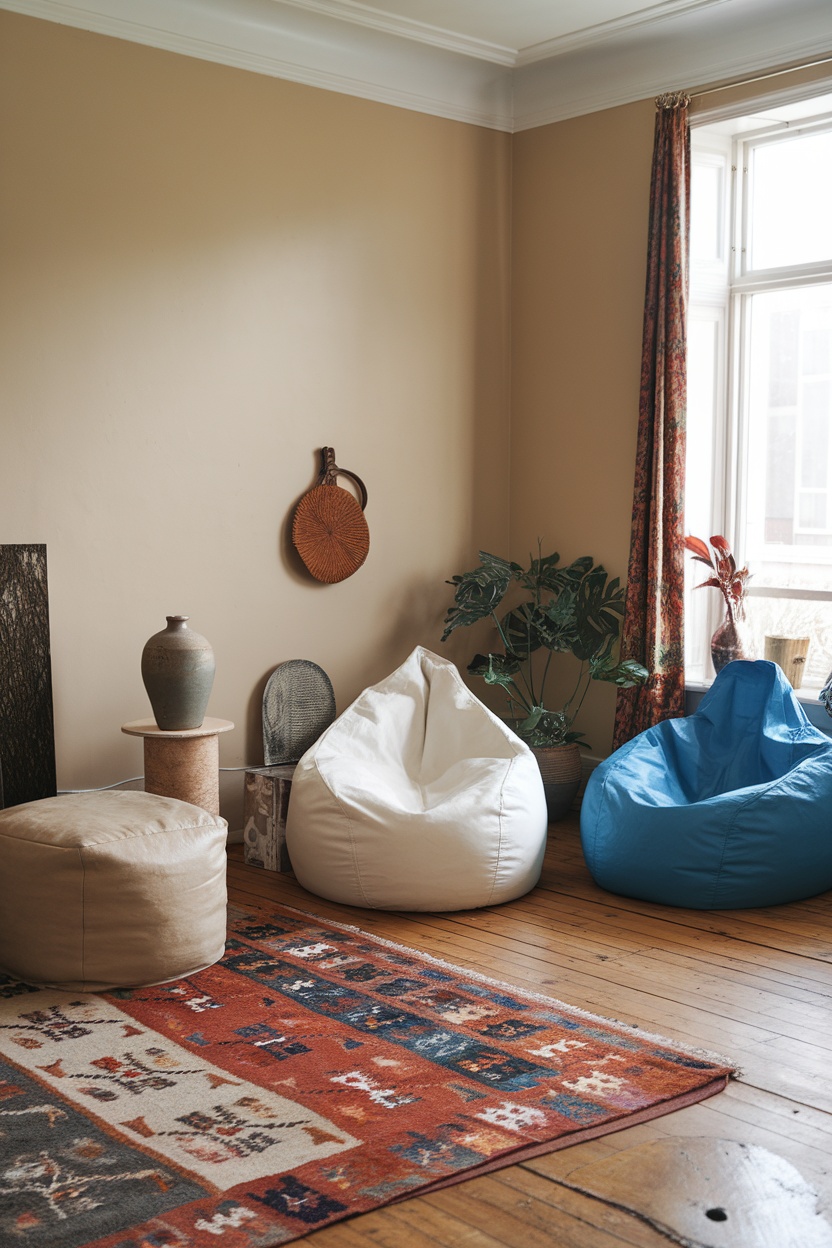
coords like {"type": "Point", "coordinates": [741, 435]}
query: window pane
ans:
{"type": "Point", "coordinates": [783, 330]}
{"type": "Point", "coordinates": [812, 511]}
{"type": "Point", "coordinates": [791, 189]}
{"type": "Point", "coordinates": [704, 371]}
{"type": "Point", "coordinates": [706, 228]}
{"type": "Point", "coordinates": [787, 534]}
{"type": "Point", "coordinates": [814, 458]}
{"type": "Point", "coordinates": [780, 468]}
{"type": "Point", "coordinates": [817, 354]}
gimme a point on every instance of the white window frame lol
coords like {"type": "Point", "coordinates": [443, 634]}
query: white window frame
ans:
{"type": "Point", "coordinates": [720, 295]}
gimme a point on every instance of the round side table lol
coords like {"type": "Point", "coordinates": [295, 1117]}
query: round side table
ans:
{"type": "Point", "coordinates": [182, 763]}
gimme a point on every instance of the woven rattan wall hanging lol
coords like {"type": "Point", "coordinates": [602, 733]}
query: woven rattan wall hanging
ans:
{"type": "Point", "coordinates": [329, 530]}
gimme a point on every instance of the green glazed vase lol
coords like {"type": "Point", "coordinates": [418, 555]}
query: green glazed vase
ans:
{"type": "Point", "coordinates": [178, 672]}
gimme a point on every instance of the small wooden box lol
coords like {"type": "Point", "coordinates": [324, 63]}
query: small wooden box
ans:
{"type": "Point", "coordinates": [265, 804]}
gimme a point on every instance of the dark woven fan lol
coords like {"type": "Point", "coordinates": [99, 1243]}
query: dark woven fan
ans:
{"type": "Point", "coordinates": [329, 530]}
{"type": "Point", "coordinates": [298, 704]}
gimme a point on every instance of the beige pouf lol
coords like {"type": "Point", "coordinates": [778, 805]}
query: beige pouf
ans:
{"type": "Point", "coordinates": [110, 890]}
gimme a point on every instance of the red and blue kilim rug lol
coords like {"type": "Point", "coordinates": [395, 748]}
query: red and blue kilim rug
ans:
{"type": "Point", "coordinates": [314, 1073]}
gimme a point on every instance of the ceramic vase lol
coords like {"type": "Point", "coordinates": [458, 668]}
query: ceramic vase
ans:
{"type": "Point", "coordinates": [731, 640]}
{"type": "Point", "coordinates": [178, 672]}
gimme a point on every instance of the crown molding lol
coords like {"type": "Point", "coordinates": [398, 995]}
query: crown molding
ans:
{"type": "Point", "coordinates": [406, 28]}
{"type": "Point", "coordinates": [604, 31]}
{"type": "Point", "coordinates": [422, 32]}
{"type": "Point", "coordinates": [293, 42]}
{"type": "Point", "coordinates": [351, 48]}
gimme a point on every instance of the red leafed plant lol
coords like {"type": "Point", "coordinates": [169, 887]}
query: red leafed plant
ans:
{"type": "Point", "coordinates": [727, 578]}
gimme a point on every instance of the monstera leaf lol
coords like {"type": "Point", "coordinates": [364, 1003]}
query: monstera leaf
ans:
{"type": "Point", "coordinates": [599, 607]}
{"type": "Point", "coordinates": [560, 629]}
{"type": "Point", "coordinates": [521, 630]}
{"type": "Point", "coordinates": [545, 574]}
{"type": "Point", "coordinates": [479, 593]}
{"type": "Point", "coordinates": [495, 669]}
{"type": "Point", "coordinates": [625, 674]}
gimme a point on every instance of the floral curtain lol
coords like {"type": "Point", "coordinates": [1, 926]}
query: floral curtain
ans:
{"type": "Point", "coordinates": [653, 623]}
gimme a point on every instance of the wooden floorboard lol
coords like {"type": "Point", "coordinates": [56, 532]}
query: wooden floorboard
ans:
{"type": "Point", "coordinates": [754, 986]}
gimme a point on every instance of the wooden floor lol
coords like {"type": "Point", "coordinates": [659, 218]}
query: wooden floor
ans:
{"type": "Point", "coordinates": [752, 985]}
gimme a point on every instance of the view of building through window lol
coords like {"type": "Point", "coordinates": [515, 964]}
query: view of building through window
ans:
{"type": "Point", "coordinates": [759, 466]}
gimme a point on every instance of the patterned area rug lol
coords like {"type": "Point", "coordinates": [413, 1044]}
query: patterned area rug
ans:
{"type": "Point", "coordinates": [315, 1073]}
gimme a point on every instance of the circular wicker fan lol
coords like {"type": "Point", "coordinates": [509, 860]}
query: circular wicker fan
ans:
{"type": "Point", "coordinates": [329, 529]}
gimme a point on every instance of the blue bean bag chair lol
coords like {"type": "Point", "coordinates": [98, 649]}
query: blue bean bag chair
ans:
{"type": "Point", "coordinates": [727, 808]}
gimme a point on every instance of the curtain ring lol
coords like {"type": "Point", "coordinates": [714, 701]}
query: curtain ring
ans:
{"type": "Point", "coordinates": [673, 99]}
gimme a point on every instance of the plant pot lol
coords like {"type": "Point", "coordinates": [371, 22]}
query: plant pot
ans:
{"type": "Point", "coordinates": [560, 770]}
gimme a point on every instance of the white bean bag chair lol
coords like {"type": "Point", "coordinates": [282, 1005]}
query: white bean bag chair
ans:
{"type": "Point", "coordinates": [417, 798]}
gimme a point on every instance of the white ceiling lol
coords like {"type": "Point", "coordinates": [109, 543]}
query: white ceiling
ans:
{"type": "Point", "coordinates": [507, 64]}
{"type": "Point", "coordinates": [511, 24]}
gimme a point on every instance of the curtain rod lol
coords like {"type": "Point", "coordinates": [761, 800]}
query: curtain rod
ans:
{"type": "Point", "coordinates": [776, 73]}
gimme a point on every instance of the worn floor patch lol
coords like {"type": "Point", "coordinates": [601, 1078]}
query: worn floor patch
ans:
{"type": "Point", "coordinates": [706, 1193]}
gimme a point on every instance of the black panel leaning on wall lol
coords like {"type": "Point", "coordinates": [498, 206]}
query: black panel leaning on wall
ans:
{"type": "Point", "coordinates": [27, 738]}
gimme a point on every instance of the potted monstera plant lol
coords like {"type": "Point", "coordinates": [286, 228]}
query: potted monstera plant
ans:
{"type": "Point", "coordinates": [540, 611]}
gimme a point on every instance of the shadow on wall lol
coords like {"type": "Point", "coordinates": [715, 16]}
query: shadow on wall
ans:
{"type": "Point", "coordinates": [290, 560]}
{"type": "Point", "coordinates": [253, 728]}
{"type": "Point", "coordinates": [415, 619]}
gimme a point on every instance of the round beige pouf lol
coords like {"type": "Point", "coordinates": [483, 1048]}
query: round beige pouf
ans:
{"type": "Point", "coordinates": [110, 890]}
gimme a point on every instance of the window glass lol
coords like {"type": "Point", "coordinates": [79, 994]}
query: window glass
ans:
{"type": "Point", "coordinates": [706, 233]}
{"type": "Point", "coordinates": [705, 332]}
{"type": "Point", "coordinates": [788, 521]}
{"type": "Point", "coordinates": [791, 190]}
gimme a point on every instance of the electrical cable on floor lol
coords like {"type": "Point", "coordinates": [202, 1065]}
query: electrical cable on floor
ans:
{"type": "Point", "coordinates": [103, 787]}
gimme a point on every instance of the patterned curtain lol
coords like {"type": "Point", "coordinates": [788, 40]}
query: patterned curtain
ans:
{"type": "Point", "coordinates": [653, 621]}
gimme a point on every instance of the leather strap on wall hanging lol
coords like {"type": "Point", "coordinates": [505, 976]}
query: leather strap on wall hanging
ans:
{"type": "Point", "coordinates": [329, 530]}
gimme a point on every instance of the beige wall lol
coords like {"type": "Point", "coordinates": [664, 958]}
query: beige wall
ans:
{"type": "Point", "coordinates": [581, 200]}
{"type": "Point", "coordinates": [207, 275]}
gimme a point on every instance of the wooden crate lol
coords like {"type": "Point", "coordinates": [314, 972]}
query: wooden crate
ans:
{"type": "Point", "coordinates": [265, 804]}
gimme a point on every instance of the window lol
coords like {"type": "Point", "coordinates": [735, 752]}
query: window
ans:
{"type": "Point", "coordinates": [759, 461]}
